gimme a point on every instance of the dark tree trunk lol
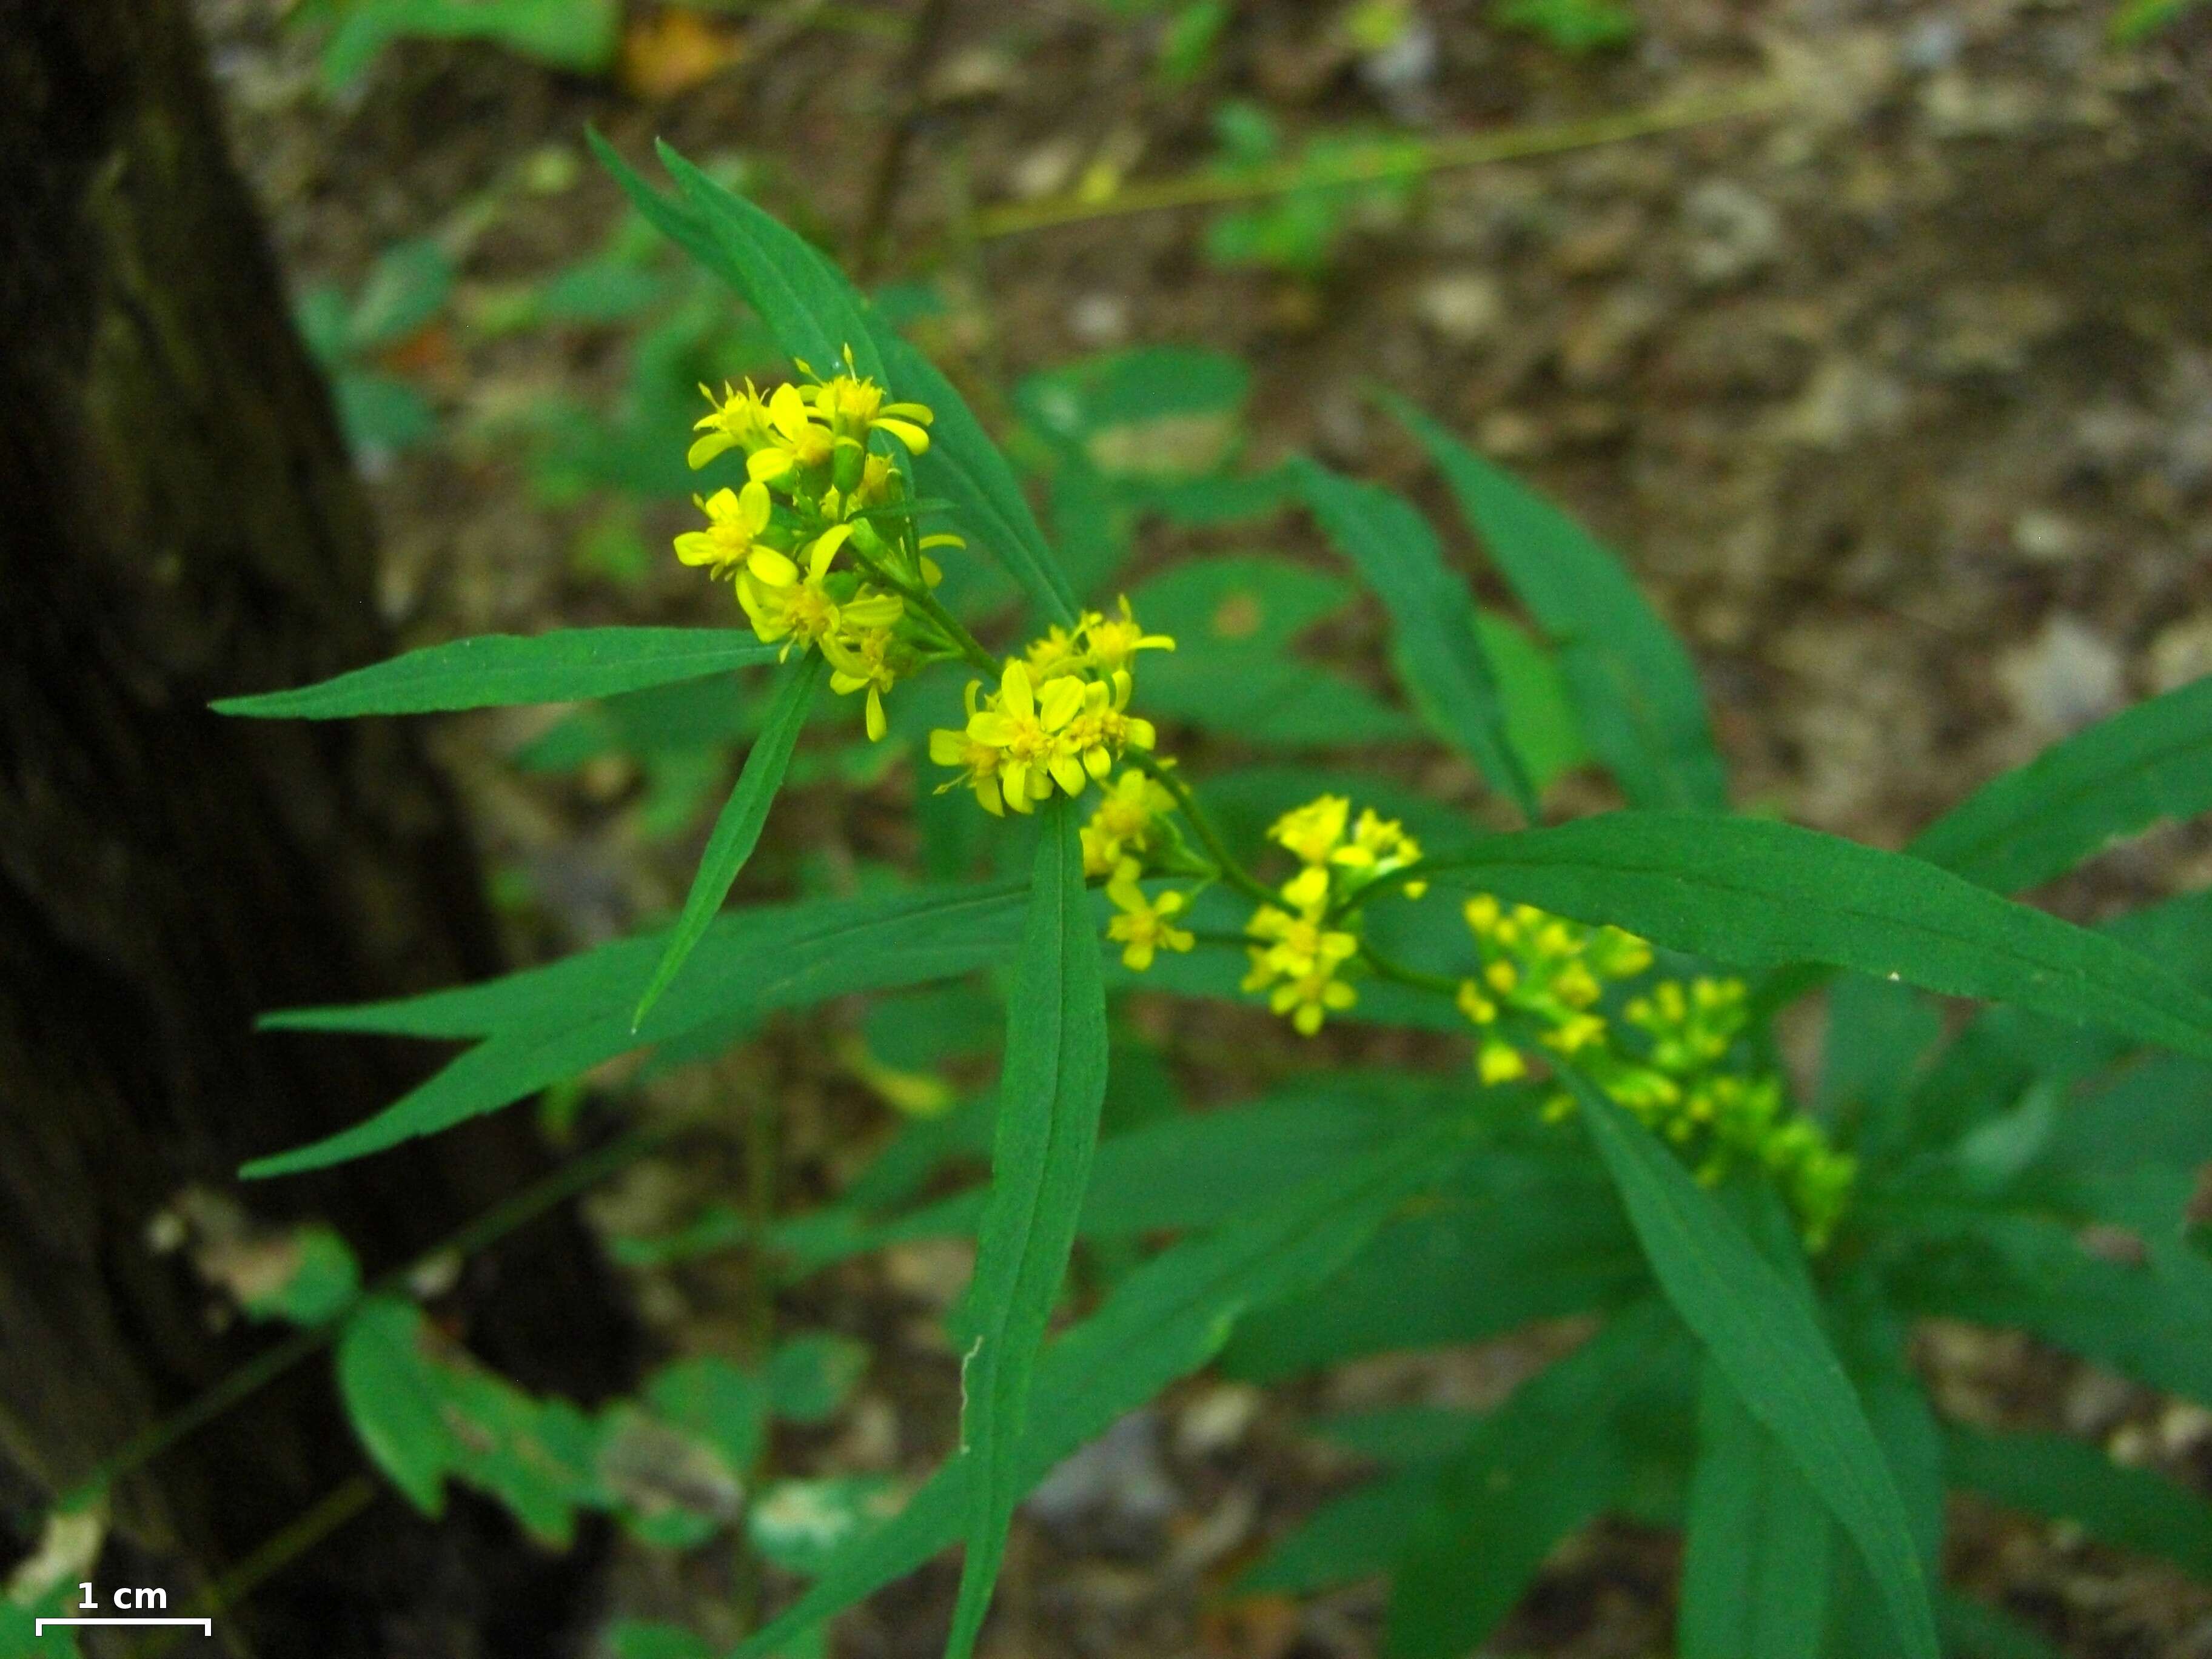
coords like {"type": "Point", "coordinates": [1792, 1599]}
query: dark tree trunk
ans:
{"type": "Point", "coordinates": [180, 522]}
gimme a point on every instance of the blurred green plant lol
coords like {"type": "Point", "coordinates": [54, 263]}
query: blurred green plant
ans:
{"type": "Point", "coordinates": [402, 296]}
{"type": "Point", "coordinates": [1298, 230]}
{"type": "Point", "coordinates": [1575, 26]}
{"type": "Point", "coordinates": [582, 35]}
{"type": "Point", "coordinates": [2136, 21]}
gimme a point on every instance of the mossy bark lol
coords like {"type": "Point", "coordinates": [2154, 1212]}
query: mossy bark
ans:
{"type": "Point", "coordinates": [178, 521]}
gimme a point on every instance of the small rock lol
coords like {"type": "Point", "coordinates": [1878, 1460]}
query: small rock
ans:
{"type": "Point", "coordinates": [1099, 320]}
{"type": "Point", "coordinates": [1509, 434]}
{"type": "Point", "coordinates": [2181, 652]}
{"type": "Point", "coordinates": [1734, 231]}
{"type": "Point", "coordinates": [2065, 677]}
{"type": "Point", "coordinates": [1402, 73]}
{"type": "Point", "coordinates": [2042, 537]}
{"type": "Point", "coordinates": [1117, 1478]}
{"type": "Point", "coordinates": [1217, 1419]}
{"type": "Point", "coordinates": [1045, 170]}
{"type": "Point", "coordinates": [1844, 401]}
{"type": "Point", "coordinates": [977, 72]}
{"type": "Point", "coordinates": [1933, 43]}
{"type": "Point", "coordinates": [2095, 1400]}
{"type": "Point", "coordinates": [2183, 1427]}
{"type": "Point", "coordinates": [1464, 308]}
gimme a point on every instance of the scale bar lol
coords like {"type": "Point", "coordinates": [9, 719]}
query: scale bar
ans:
{"type": "Point", "coordinates": [207, 1625]}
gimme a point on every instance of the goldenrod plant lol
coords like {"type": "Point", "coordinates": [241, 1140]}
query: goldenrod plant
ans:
{"type": "Point", "coordinates": [1609, 1129]}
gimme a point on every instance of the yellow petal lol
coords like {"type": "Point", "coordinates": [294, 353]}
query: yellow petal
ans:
{"type": "Point", "coordinates": [698, 547]}
{"type": "Point", "coordinates": [1014, 694]}
{"type": "Point", "coordinates": [877, 726]}
{"type": "Point", "coordinates": [752, 508]}
{"type": "Point", "coordinates": [907, 433]}
{"type": "Point", "coordinates": [1067, 772]}
{"type": "Point", "coordinates": [769, 466]}
{"type": "Point", "coordinates": [1063, 701]}
{"type": "Point", "coordinates": [770, 567]}
{"type": "Point", "coordinates": [704, 450]}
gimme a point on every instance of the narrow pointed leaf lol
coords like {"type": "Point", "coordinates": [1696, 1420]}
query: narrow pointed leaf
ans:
{"type": "Point", "coordinates": [550, 1024]}
{"type": "Point", "coordinates": [1635, 687]}
{"type": "Point", "coordinates": [1164, 1321]}
{"type": "Point", "coordinates": [1053, 1082]}
{"type": "Point", "coordinates": [737, 831]}
{"type": "Point", "coordinates": [2117, 779]}
{"type": "Point", "coordinates": [1436, 645]}
{"type": "Point", "coordinates": [1761, 1334]}
{"type": "Point", "coordinates": [814, 312]}
{"type": "Point", "coordinates": [2071, 1480]}
{"type": "Point", "coordinates": [494, 670]}
{"type": "Point", "coordinates": [1544, 1465]}
{"type": "Point", "coordinates": [1755, 1560]}
{"type": "Point", "coordinates": [1757, 894]}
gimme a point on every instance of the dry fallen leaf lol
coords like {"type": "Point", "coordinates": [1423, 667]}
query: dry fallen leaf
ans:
{"type": "Point", "coordinates": [674, 52]}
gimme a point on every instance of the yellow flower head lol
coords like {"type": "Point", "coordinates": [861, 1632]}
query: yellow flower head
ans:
{"type": "Point", "coordinates": [1026, 729]}
{"type": "Point", "coordinates": [1294, 945]}
{"type": "Point", "coordinates": [864, 658]}
{"type": "Point", "coordinates": [782, 601]}
{"type": "Point", "coordinates": [1060, 652]}
{"type": "Point", "coordinates": [1123, 822]}
{"type": "Point", "coordinates": [738, 420]}
{"type": "Point", "coordinates": [1115, 641]}
{"type": "Point", "coordinates": [735, 520]}
{"type": "Point", "coordinates": [796, 442]}
{"type": "Point", "coordinates": [1311, 998]}
{"type": "Point", "coordinates": [1313, 831]}
{"type": "Point", "coordinates": [1102, 729]}
{"type": "Point", "coordinates": [851, 405]}
{"type": "Point", "coordinates": [978, 761]}
{"type": "Point", "coordinates": [1142, 925]}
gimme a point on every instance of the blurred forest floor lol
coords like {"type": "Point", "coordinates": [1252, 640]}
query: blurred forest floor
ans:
{"type": "Point", "coordinates": [1898, 399]}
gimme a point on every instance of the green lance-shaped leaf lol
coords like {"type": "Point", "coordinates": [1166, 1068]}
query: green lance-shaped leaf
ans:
{"type": "Point", "coordinates": [1757, 894]}
{"type": "Point", "coordinates": [1438, 652]}
{"type": "Point", "coordinates": [2069, 1481]}
{"type": "Point", "coordinates": [737, 831]}
{"type": "Point", "coordinates": [1635, 687]}
{"type": "Point", "coordinates": [1544, 1465]}
{"type": "Point", "coordinates": [2115, 780]}
{"type": "Point", "coordinates": [558, 1022]}
{"type": "Point", "coordinates": [494, 670]}
{"type": "Point", "coordinates": [1049, 1094]}
{"type": "Point", "coordinates": [814, 314]}
{"type": "Point", "coordinates": [1162, 1323]}
{"type": "Point", "coordinates": [1755, 1560]}
{"type": "Point", "coordinates": [1762, 1335]}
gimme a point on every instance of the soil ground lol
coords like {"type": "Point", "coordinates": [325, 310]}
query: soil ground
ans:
{"type": "Point", "coordinates": [1897, 397]}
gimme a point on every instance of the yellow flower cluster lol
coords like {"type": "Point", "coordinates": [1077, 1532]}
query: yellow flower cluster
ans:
{"type": "Point", "coordinates": [1301, 955]}
{"type": "Point", "coordinates": [1128, 822]}
{"type": "Point", "coordinates": [1546, 968]}
{"type": "Point", "coordinates": [1142, 925]}
{"type": "Point", "coordinates": [815, 490]}
{"type": "Point", "coordinates": [1551, 972]}
{"type": "Point", "coordinates": [1058, 719]}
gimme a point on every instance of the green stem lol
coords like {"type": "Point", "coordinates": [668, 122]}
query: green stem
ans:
{"type": "Point", "coordinates": [924, 601]}
{"type": "Point", "coordinates": [1386, 968]}
{"type": "Point", "coordinates": [1232, 872]}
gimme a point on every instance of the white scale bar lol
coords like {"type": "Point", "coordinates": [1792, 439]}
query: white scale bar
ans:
{"type": "Point", "coordinates": [207, 1625]}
